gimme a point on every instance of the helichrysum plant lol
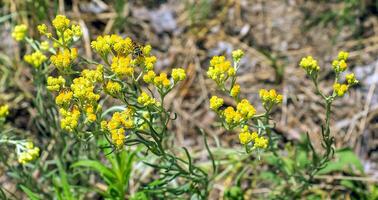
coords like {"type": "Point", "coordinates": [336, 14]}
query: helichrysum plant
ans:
{"type": "Point", "coordinates": [255, 129]}
{"type": "Point", "coordinates": [126, 73]}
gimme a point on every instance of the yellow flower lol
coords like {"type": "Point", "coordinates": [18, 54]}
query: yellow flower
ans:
{"type": "Point", "coordinates": [76, 30]}
{"type": "Point", "coordinates": [147, 50]}
{"type": "Point", "coordinates": [237, 55]}
{"type": "Point", "coordinates": [149, 62]}
{"type": "Point", "coordinates": [82, 89]}
{"type": "Point", "coordinates": [235, 90]}
{"type": "Point", "coordinates": [220, 69]}
{"type": "Point", "coordinates": [146, 100]}
{"type": "Point", "coordinates": [69, 119]}
{"type": "Point", "coordinates": [343, 55]}
{"type": "Point", "coordinates": [42, 29]}
{"type": "Point", "coordinates": [245, 109]}
{"type": "Point", "coordinates": [340, 89]}
{"type": "Point", "coordinates": [64, 59]}
{"type": "Point", "coordinates": [4, 111]}
{"type": "Point", "coordinates": [101, 45]}
{"type": "Point", "coordinates": [351, 79]}
{"type": "Point", "coordinates": [162, 81]}
{"type": "Point", "coordinates": [55, 84]}
{"type": "Point", "coordinates": [28, 153]}
{"type": "Point", "coordinates": [245, 136]}
{"type": "Point", "coordinates": [123, 47]}
{"type": "Point", "coordinates": [45, 46]}
{"type": "Point", "coordinates": [35, 59]}
{"type": "Point", "coordinates": [61, 23]}
{"type": "Point", "coordinates": [64, 98]}
{"type": "Point", "coordinates": [261, 142]}
{"type": "Point", "coordinates": [124, 119]}
{"type": "Point", "coordinates": [270, 97]}
{"type": "Point", "coordinates": [118, 137]}
{"type": "Point", "coordinates": [113, 88]}
{"type": "Point", "coordinates": [94, 75]}
{"type": "Point", "coordinates": [231, 116]}
{"type": "Point", "coordinates": [122, 67]}
{"type": "Point", "coordinates": [309, 64]}
{"type": "Point", "coordinates": [178, 74]}
{"type": "Point", "coordinates": [149, 77]}
{"type": "Point", "coordinates": [216, 102]}
{"type": "Point", "coordinates": [89, 112]}
{"type": "Point", "coordinates": [19, 32]}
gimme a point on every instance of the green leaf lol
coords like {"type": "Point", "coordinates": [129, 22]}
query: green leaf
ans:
{"type": "Point", "coordinates": [29, 193]}
{"type": "Point", "coordinates": [97, 166]}
{"type": "Point", "coordinates": [345, 161]}
{"type": "Point", "coordinates": [65, 184]}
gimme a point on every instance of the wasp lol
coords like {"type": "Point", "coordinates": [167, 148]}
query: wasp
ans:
{"type": "Point", "coordinates": [137, 50]}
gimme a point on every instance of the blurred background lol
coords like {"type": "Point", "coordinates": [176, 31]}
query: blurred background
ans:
{"type": "Point", "coordinates": [274, 34]}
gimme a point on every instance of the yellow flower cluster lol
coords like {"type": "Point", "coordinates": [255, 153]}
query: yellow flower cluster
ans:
{"type": "Point", "coordinates": [28, 154]}
{"type": "Point", "coordinates": [246, 137]}
{"type": "Point", "coordinates": [64, 59]}
{"type": "Point", "coordinates": [19, 32]}
{"type": "Point", "coordinates": [261, 142]}
{"type": "Point", "coordinates": [44, 46]}
{"type": "Point", "coordinates": [4, 111]}
{"type": "Point", "coordinates": [83, 90]}
{"type": "Point", "coordinates": [237, 55]}
{"type": "Point", "coordinates": [64, 98]}
{"type": "Point", "coordinates": [270, 97]}
{"type": "Point", "coordinates": [162, 81]}
{"type": "Point", "coordinates": [216, 103]}
{"type": "Point", "coordinates": [90, 113]}
{"type": "Point", "coordinates": [61, 23]}
{"type": "Point", "coordinates": [309, 64]}
{"type": "Point", "coordinates": [105, 44]}
{"type": "Point", "coordinates": [178, 74]}
{"type": "Point", "coordinates": [149, 62]}
{"type": "Point", "coordinates": [66, 33]}
{"type": "Point", "coordinates": [235, 90]}
{"type": "Point", "coordinates": [70, 119]}
{"type": "Point", "coordinates": [113, 88]}
{"type": "Point", "coordinates": [35, 59]}
{"type": "Point", "coordinates": [340, 89]}
{"type": "Point", "coordinates": [340, 65]}
{"type": "Point", "coordinates": [149, 76]}
{"type": "Point", "coordinates": [351, 79]}
{"type": "Point", "coordinates": [244, 111]}
{"type": "Point", "coordinates": [55, 84]}
{"type": "Point", "coordinates": [122, 67]}
{"type": "Point", "coordinates": [220, 69]}
{"type": "Point", "coordinates": [146, 100]}
{"type": "Point", "coordinates": [94, 75]}
{"type": "Point", "coordinates": [117, 125]}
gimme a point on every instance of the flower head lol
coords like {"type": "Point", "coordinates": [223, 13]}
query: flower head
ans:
{"type": "Point", "coordinates": [4, 111]}
{"type": "Point", "coordinates": [340, 89]}
{"type": "Point", "coordinates": [146, 100]}
{"type": "Point", "coordinates": [245, 109]}
{"type": "Point", "coordinates": [122, 67]}
{"type": "Point", "coordinates": [113, 88]}
{"type": "Point", "coordinates": [235, 90]}
{"type": "Point", "coordinates": [55, 84]}
{"type": "Point", "coordinates": [237, 55]}
{"type": "Point", "coordinates": [261, 142]}
{"type": "Point", "coordinates": [149, 76]}
{"type": "Point", "coordinates": [19, 32]}
{"type": "Point", "coordinates": [351, 79]}
{"type": "Point", "coordinates": [61, 23]}
{"type": "Point", "coordinates": [35, 59]}
{"type": "Point", "coordinates": [270, 97]}
{"type": "Point", "coordinates": [220, 69]}
{"type": "Point", "coordinates": [178, 74]}
{"type": "Point", "coordinates": [216, 102]}
{"type": "Point", "coordinates": [309, 64]}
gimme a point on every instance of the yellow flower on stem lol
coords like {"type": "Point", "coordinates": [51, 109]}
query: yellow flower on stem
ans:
{"type": "Point", "coordinates": [19, 32]}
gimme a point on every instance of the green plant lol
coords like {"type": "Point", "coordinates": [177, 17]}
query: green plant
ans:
{"type": "Point", "coordinates": [298, 177]}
